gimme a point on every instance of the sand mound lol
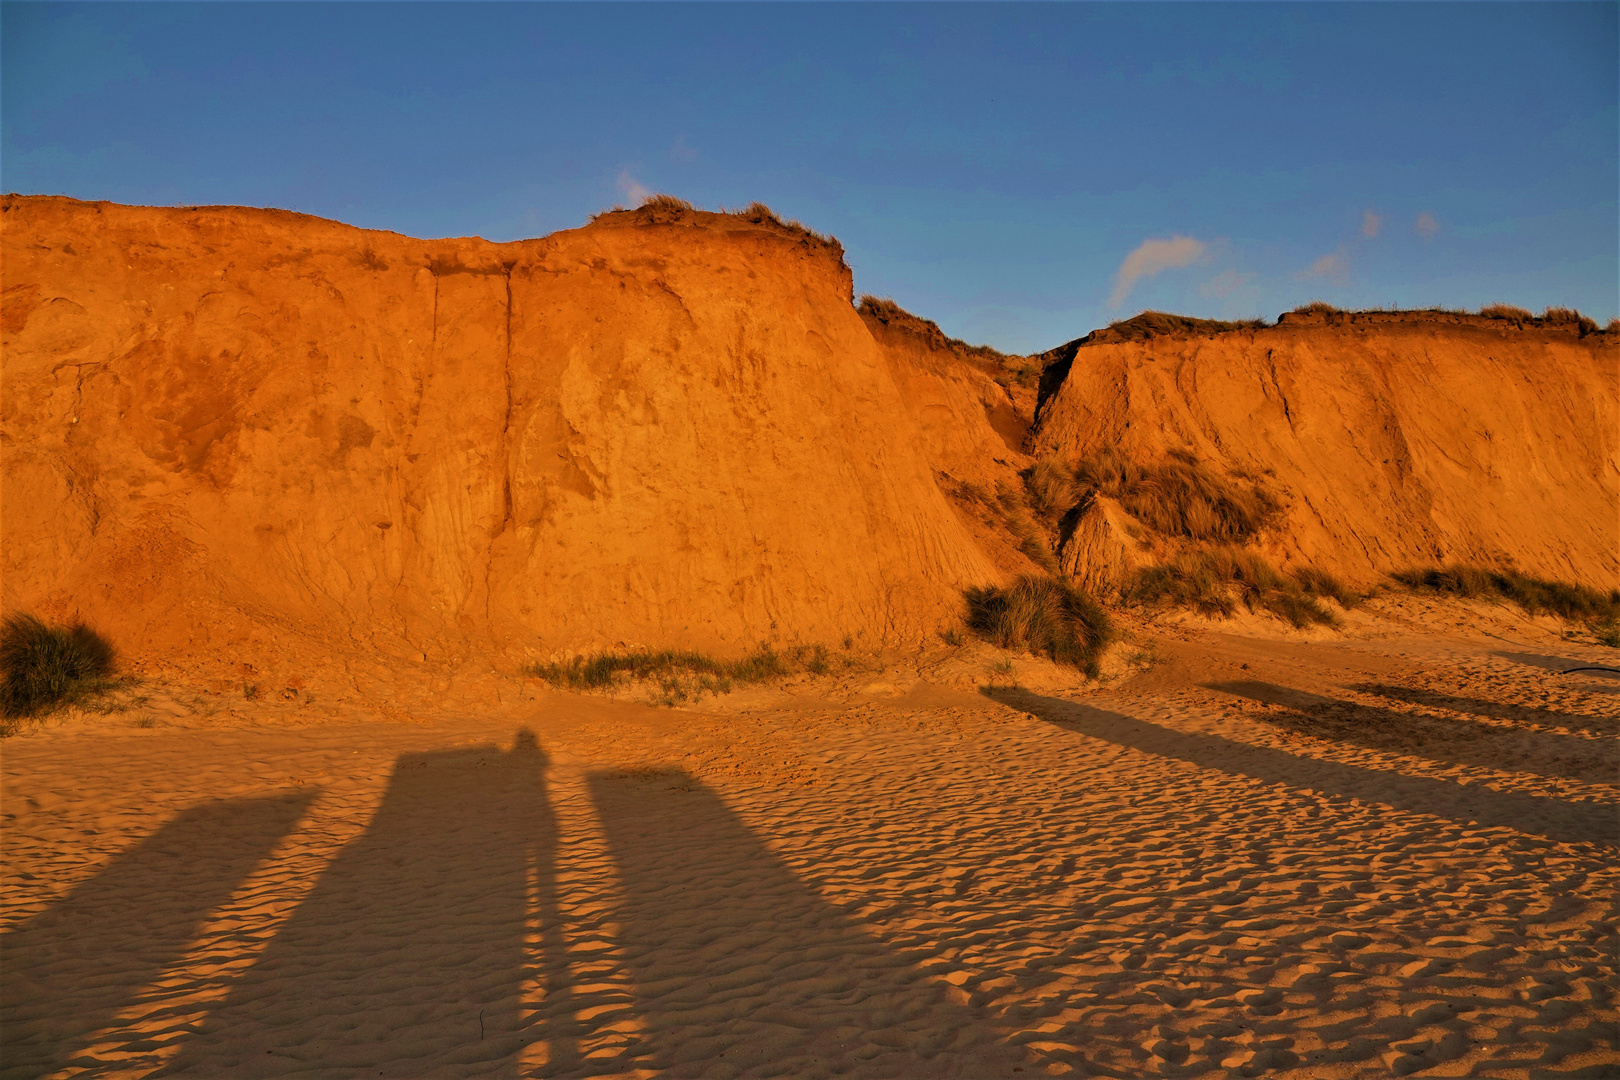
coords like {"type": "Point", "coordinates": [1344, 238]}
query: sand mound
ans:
{"type": "Point", "coordinates": [1395, 438]}
{"type": "Point", "coordinates": [225, 426]}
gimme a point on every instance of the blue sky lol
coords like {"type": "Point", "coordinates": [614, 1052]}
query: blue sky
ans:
{"type": "Point", "coordinates": [1020, 173]}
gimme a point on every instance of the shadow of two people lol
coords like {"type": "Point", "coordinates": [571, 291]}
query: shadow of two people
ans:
{"type": "Point", "coordinates": [420, 947]}
{"type": "Point", "coordinates": [1553, 819]}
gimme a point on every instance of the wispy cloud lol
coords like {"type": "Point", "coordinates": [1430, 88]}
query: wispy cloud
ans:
{"type": "Point", "coordinates": [1371, 223]}
{"type": "Point", "coordinates": [632, 190]}
{"type": "Point", "coordinates": [681, 152]}
{"type": "Point", "coordinates": [1426, 226]}
{"type": "Point", "coordinates": [1334, 266]}
{"type": "Point", "coordinates": [1153, 257]}
{"type": "Point", "coordinates": [1224, 284]}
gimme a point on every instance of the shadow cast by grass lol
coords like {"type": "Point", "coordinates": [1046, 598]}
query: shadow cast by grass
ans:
{"type": "Point", "coordinates": [1554, 819]}
{"type": "Point", "coordinates": [1448, 740]}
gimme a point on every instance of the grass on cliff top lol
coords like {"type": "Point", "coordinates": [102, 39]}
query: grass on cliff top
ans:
{"type": "Point", "coordinates": [661, 205]}
{"type": "Point", "coordinates": [1213, 580]}
{"type": "Point", "coordinates": [1553, 316]}
{"type": "Point", "coordinates": [45, 668]}
{"type": "Point", "coordinates": [889, 313]}
{"type": "Point", "coordinates": [1152, 324]}
{"type": "Point", "coordinates": [1043, 615]}
{"type": "Point", "coordinates": [1535, 596]}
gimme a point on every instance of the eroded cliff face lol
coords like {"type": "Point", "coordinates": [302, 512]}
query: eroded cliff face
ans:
{"type": "Point", "coordinates": [225, 425]}
{"type": "Point", "coordinates": [1396, 439]}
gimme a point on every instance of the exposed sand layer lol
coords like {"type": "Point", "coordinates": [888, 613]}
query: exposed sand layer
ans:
{"type": "Point", "coordinates": [1327, 859]}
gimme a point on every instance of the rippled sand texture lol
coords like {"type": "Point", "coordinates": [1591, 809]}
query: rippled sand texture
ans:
{"type": "Point", "coordinates": [1257, 858]}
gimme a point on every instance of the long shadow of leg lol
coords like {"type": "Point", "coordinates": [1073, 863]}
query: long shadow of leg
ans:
{"type": "Point", "coordinates": [72, 968]}
{"type": "Point", "coordinates": [1499, 710]}
{"type": "Point", "coordinates": [1439, 738]}
{"type": "Point", "coordinates": [408, 956]}
{"type": "Point", "coordinates": [1551, 818]}
{"type": "Point", "coordinates": [743, 970]}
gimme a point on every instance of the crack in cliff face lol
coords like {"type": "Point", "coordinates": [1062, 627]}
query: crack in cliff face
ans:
{"type": "Point", "coordinates": [506, 425]}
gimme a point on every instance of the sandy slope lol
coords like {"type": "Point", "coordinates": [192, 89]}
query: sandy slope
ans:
{"type": "Point", "coordinates": [1262, 854]}
{"type": "Point", "coordinates": [1397, 438]}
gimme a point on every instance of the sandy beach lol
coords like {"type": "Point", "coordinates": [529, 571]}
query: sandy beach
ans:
{"type": "Point", "coordinates": [1254, 856]}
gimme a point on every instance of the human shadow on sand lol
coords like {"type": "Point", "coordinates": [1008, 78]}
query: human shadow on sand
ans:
{"type": "Point", "coordinates": [741, 969]}
{"type": "Point", "coordinates": [1452, 740]}
{"type": "Point", "coordinates": [70, 970]}
{"type": "Point", "coordinates": [1497, 710]}
{"type": "Point", "coordinates": [408, 957]}
{"type": "Point", "coordinates": [1593, 682]}
{"type": "Point", "coordinates": [1554, 819]}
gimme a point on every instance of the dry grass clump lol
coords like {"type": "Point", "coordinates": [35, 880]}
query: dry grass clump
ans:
{"type": "Point", "coordinates": [1563, 316]}
{"type": "Point", "coordinates": [681, 675]}
{"type": "Point", "coordinates": [1052, 492]}
{"type": "Point", "coordinates": [1043, 615]}
{"type": "Point", "coordinates": [760, 214]}
{"type": "Point", "coordinates": [661, 201]}
{"type": "Point", "coordinates": [1214, 580]}
{"type": "Point", "coordinates": [1152, 324]}
{"type": "Point", "coordinates": [1507, 311]}
{"type": "Point", "coordinates": [1032, 540]}
{"type": "Point", "coordinates": [1321, 583]}
{"type": "Point", "coordinates": [1181, 497]}
{"type": "Point", "coordinates": [603, 670]}
{"type": "Point", "coordinates": [46, 668]}
{"type": "Point", "coordinates": [884, 310]}
{"type": "Point", "coordinates": [1575, 603]}
{"type": "Point", "coordinates": [1318, 307]}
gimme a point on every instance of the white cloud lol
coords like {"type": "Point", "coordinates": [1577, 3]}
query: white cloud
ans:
{"type": "Point", "coordinates": [1426, 225]}
{"type": "Point", "coordinates": [1224, 284]}
{"type": "Point", "coordinates": [1153, 257]}
{"type": "Point", "coordinates": [1371, 223]}
{"type": "Point", "coordinates": [631, 189]}
{"type": "Point", "coordinates": [1332, 266]}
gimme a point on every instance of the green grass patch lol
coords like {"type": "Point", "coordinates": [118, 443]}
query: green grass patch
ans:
{"type": "Point", "coordinates": [1599, 610]}
{"type": "Point", "coordinates": [45, 668]}
{"type": "Point", "coordinates": [1215, 580]}
{"type": "Point", "coordinates": [1043, 615]}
